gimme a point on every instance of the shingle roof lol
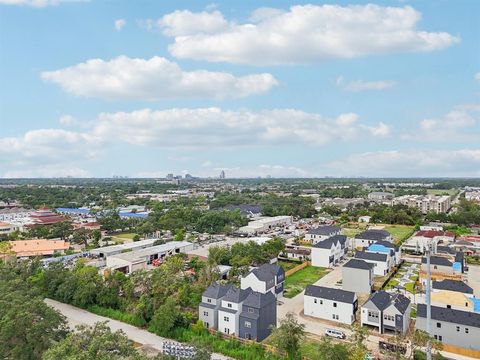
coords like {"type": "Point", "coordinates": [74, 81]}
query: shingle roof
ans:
{"type": "Point", "coordinates": [259, 300]}
{"type": "Point", "coordinates": [358, 264]}
{"type": "Point", "coordinates": [445, 249]}
{"type": "Point", "coordinates": [401, 302]}
{"type": "Point", "coordinates": [236, 295]}
{"type": "Point", "coordinates": [453, 285]}
{"type": "Point", "coordinates": [246, 209]}
{"type": "Point", "coordinates": [381, 299]}
{"type": "Point", "coordinates": [330, 294]}
{"type": "Point", "coordinates": [371, 256]}
{"type": "Point", "coordinates": [333, 240]}
{"type": "Point", "coordinates": [437, 260]}
{"type": "Point", "coordinates": [450, 315]}
{"type": "Point", "coordinates": [267, 272]}
{"type": "Point", "coordinates": [216, 291]}
{"type": "Point", "coordinates": [373, 235]}
{"type": "Point", "coordinates": [324, 230]}
{"type": "Point", "coordinates": [459, 257]}
{"type": "Point", "coordinates": [386, 244]}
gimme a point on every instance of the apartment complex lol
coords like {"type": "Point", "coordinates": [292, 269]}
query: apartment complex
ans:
{"type": "Point", "coordinates": [426, 203]}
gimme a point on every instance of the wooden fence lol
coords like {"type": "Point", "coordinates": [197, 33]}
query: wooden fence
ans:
{"type": "Point", "coordinates": [297, 268]}
{"type": "Point", "coordinates": [461, 351]}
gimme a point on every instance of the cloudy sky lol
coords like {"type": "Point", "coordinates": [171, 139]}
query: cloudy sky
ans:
{"type": "Point", "coordinates": [291, 89]}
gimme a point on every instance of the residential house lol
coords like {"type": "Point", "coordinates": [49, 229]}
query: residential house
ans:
{"type": "Point", "coordinates": [330, 304]}
{"type": "Point", "coordinates": [381, 262]}
{"type": "Point", "coordinates": [297, 253]}
{"type": "Point", "coordinates": [380, 196]}
{"type": "Point", "coordinates": [258, 316]}
{"type": "Point", "coordinates": [265, 278]}
{"type": "Point", "coordinates": [387, 312]}
{"type": "Point", "coordinates": [357, 276]}
{"type": "Point", "coordinates": [329, 252]}
{"type": "Point", "coordinates": [371, 236]}
{"type": "Point", "coordinates": [453, 327]}
{"type": "Point", "coordinates": [211, 301]}
{"type": "Point", "coordinates": [453, 294]}
{"type": "Point", "coordinates": [230, 309]}
{"type": "Point", "coordinates": [322, 233]}
{"type": "Point", "coordinates": [385, 247]}
{"type": "Point", "coordinates": [420, 241]}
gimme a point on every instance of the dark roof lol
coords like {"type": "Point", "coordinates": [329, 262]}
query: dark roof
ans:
{"type": "Point", "coordinates": [246, 209]}
{"type": "Point", "coordinates": [373, 235]}
{"type": "Point", "coordinates": [259, 300]}
{"type": "Point", "coordinates": [358, 264]}
{"type": "Point", "coordinates": [327, 243]}
{"type": "Point", "coordinates": [371, 256]}
{"type": "Point", "coordinates": [445, 249]}
{"type": "Point", "coordinates": [330, 294]}
{"type": "Point", "coordinates": [401, 302]}
{"type": "Point", "coordinates": [216, 291]}
{"type": "Point", "coordinates": [450, 315]}
{"type": "Point", "coordinates": [459, 257]}
{"type": "Point", "coordinates": [453, 285]}
{"type": "Point", "coordinates": [381, 300]}
{"type": "Point", "coordinates": [387, 244]}
{"type": "Point", "coordinates": [236, 295]}
{"type": "Point", "coordinates": [437, 260]}
{"type": "Point", "coordinates": [324, 230]}
{"type": "Point", "coordinates": [268, 272]}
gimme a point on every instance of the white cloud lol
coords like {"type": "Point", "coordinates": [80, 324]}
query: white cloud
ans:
{"type": "Point", "coordinates": [213, 127]}
{"type": "Point", "coordinates": [413, 163]}
{"type": "Point", "coordinates": [38, 3]}
{"type": "Point", "coordinates": [361, 85]}
{"type": "Point", "coordinates": [477, 76]}
{"type": "Point", "coordinates": [46, 152]}
{"type": "Point", "coordinates": [460, 124]}
{"type": "Point", "coordinates": [120, 24]}
{"type": "Point", "coordinates": [305, 33]}
{"type": "Point", "coordinates": [278, 171]}
{"type": "Point", "coordinates": [153, 79]}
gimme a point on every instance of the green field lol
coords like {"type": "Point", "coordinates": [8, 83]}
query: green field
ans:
{"type": "Point", "coordinates": [351, 232]}
{"type": "Point", "coordinates": [400, 232]}
{"type": "Point", "coordinates": [296, 283]}
{"type": "Point", "coordinates": [287, 265]}
{"type": "Point", "coordinates": [451, 192]}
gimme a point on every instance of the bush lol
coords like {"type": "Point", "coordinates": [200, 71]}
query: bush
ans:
{"type": "Point", "coordinates": [131, 319]}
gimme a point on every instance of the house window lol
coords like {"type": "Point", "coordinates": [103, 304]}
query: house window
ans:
{"type": "Point", "coordinates": [333, 316]}
{"type": "Point", "coordinates": [466, 304]}
{"type": "Point", "coordinates": [229, 305]}
{"type": "Point", "coordinates": [227, 331]}
{"type": "Point", "coordinates": [334, 304]}
{"type": "Point", "coordinates": [440, 338]}
{"type": "Point", "coordinates": [435, 266]}
{"type": "Point", "coordinates": [209, 300]}
{"type": "Point", "coordinates": [250, 310]}
{"type": "Point", "coordinates": [248, 324]}
{"type": "Point", "coordinates": [205, 313]}
{"type": "Point", "coordinates": [226, 319]}
{"type": "Point", "coordinates": [439, 325]}
{"type": "Point", "coordinates": [466, 330]}
{"type": "Point", "coordinates": [321, 302]}
{"type": "Point", "coordinates": [458, 328]}
{"type": "Point", "coordinates": [315, 301]}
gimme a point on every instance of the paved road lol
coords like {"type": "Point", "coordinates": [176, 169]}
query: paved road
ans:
{"type": "Point", "coordinates": [76, 316]}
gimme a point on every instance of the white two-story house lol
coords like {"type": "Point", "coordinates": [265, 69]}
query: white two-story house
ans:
{"type": "Point", "coordinates": [321, 233]}
{"type": "Point", "coordinates": [265, 278]}
{"type": "Point", "coordinates": [330, 304]}
{"type": "Point", "coordinates": [329, 252]}
{"type": "Point", "coordinates": [230, 309]}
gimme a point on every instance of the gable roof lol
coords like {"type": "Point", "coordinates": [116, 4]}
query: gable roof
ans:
{"type": "Point", "coordinates": [453, 285]}
{"type": "Point", "coordinates": [330, 294]}
{"type": "Point", "coordinates": [370, 256]}
{"type": "Point", "coordinates": [387, 244]}
{"type": "Point", "coordinates": [216, 290]}
{"type": "Point", "coordinates": [259, 300]}
{"type": "Point", "coordinates": [236, 295]}
{"type": "Point", "coordinates": [333, 240]}
{"type": "Point", "coordinates": [267, 272]}
{"type": "Point", "coordinates": [450, 315]}
{"type": "Point", "coordinates": [358, 264]}
{"type": "Point", "coordinates": [401, 302]}
{"type": "Point", "coordinates": [373, 234]}
{"type": "Point", "coordinates": [433, 233]}
{"type": "Point", "coordinates": [381, 299]}
{"type": "Point", "coordinates": [445, 249]}
{"type": "Point", "coordinates": [437, 260]}
{"type": "Point", "coordinates": [324, 230]}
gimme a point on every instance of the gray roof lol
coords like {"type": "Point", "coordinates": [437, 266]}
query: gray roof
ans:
{"type": "Point", "coordinates": [324, 230]}
{"type": "Point", "coordinates": [371, 256]}
{"type": "Point", "coordinates": [207, 305]}
{"type": "Point", "coordinates": [216, 291]}
{"type": "Point", "coordinates": [236, 295]}
{"type": "Point", "coordinates": [327, 243]}
{"type": "Point", "coordinates": [246, 209]}
{"type": "Point", "coordinates": [453, 285]}
{"type": "Point", "coordinates": [358, 264]}
{"type": "Point", "coordinates": [450, 315]}
{"type": "Point", "coordinates": [437, 260]}
{"type": "Point", "coordinates": [459, 257]}
{"type": "Point", "coordinates": [387, 244]}
{"type": "Point", "coordinates": [401, 302]}
{"type": "Point", "coordinates": [268, 272]}
{"type": "Point", "coordinates": [330, 294]}
{"type": "Point", "coordinates": [381, 300]}
{"type": "Point", "coordinates": [373, 235]}
{"type": "Point", "coordinates": [259, 300]}
{"type": "Point", "coordinates": [445, 249]}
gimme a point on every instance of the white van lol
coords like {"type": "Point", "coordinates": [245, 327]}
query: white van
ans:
{"type": "Point", "coordinates": [335, 333]}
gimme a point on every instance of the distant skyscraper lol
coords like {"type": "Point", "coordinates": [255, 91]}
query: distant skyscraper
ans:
{"type": "Point", "coordinates": [222, 174]}
{"type": "Point", "coordinates": [169, 176]}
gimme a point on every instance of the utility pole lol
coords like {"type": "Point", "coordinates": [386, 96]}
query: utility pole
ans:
{"type": "Point", "coordinates": [429, 309]}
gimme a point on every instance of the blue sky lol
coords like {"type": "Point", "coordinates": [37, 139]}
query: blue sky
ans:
{"type": "Point", "coordinates": [294, 89]}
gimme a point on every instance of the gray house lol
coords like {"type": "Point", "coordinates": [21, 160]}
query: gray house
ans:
{"type": "Point", "coordinates": [387, 312]}
{"type": "Point", "coordinates": [321, 233]}
{"type": "Point", "coordinates": [258, 316]}
{"type": "Point", "coordinates": [369, 237]}
{"type": "Point", "coordinates": [357, 276]}
{"type": "Point", "coordinates": [265, 278]}
{"type": "Point", "coordinates": [452, 327]}
{"type": "Point", "coordinates": [211, 302]}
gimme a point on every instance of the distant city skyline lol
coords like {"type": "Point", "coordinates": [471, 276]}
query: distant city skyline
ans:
{"type": "Point", "coordinates": [148, 88]}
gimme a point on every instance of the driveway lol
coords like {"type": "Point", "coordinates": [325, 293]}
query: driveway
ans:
{"type": "Point", "coordinates": [473, 279]}
{"type": "Point", "coordinates": [76, 316]}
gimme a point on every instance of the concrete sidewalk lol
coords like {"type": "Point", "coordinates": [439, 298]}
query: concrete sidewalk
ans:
{"type": "Point", "coordinates": [76, 316]}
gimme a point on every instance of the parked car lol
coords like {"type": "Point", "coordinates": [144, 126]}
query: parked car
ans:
{"type": "Point", "coordinates": [335, 333]}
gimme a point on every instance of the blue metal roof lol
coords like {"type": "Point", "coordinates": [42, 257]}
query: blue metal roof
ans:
{"type": "Point", "coordinates": [73, 210]}
{"type": "Point", "coordinates": [379, 248]}
{"type": "Point", "coordinates": [133, 215]}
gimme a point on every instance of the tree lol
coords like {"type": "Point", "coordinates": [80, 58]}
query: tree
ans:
{"type": "Point", "coordinates": [92, 343]}
{"type": "Point", "coordinates": [327, 350]}
{"type": "Point", "coordinates": [136, 237]}
{"type": "Point", "coordinates": [96, 236]}
{"type": "Point", "coordinates": [288, 335]}
{"type": "Point", "coordinates": [164, 319]}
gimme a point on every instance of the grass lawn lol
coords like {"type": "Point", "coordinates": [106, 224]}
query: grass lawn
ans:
{"type": "Point", "coordinates": [391, 284]}
{"type": "Point", "coordinates": [400, 233]}
{"type": "Point", "coordinates": [410, 287]}
{"type": "Point", "coordinates": [442, 192]}
{"type": "Point", "coordinates": [125, 235]}
{"type": "Point", "coordinates": [351, 232]}
{"type": "Point", "coordinates": [296, 283]}
{"type": "Point", "coordinates": [287, 265]}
